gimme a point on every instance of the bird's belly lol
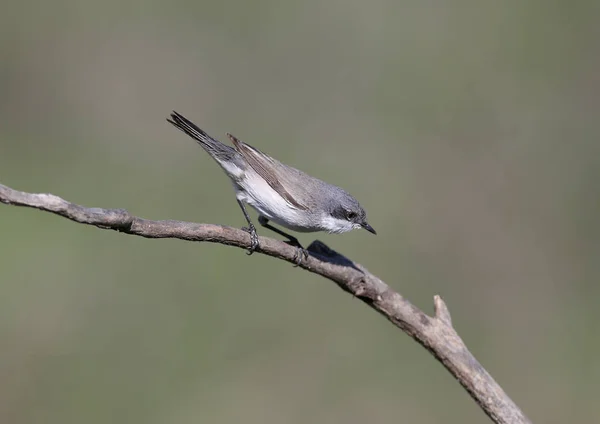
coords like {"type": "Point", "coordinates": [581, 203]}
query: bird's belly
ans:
{"type": "Point", "coordinates": [293, 225]}
{"type": "Point", "coordinates": [272, 206]}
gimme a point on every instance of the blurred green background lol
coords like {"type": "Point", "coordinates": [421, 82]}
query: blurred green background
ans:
{"type": "Point", "coordinates": [468, 130]}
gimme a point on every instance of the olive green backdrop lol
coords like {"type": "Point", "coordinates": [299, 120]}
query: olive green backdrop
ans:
{"type": "Point", "coordinates": [468, 130]}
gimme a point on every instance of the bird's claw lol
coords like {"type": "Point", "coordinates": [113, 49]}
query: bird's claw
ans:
{"type": "Point", "coordinates": [301, 252]}
{"type": "Point", "coordinates": [251, 229]}
{"type": "Point", "coordinates": [300, 255]}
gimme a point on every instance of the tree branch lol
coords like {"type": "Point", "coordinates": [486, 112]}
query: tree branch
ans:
{"type": "Point", "coordinates": [435, 333]}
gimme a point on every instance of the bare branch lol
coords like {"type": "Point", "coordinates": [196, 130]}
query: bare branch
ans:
{"type": "Point", "coordinates": [441, 310]}
{"type": "Point", "coordinates": [436, 333]}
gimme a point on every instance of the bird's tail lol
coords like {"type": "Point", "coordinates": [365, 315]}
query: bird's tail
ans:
{"type": "Point", "coordinates": [215, 148]}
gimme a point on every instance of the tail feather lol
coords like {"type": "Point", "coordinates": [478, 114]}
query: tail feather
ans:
{"type": "Point", "coordinates": [215, 148]}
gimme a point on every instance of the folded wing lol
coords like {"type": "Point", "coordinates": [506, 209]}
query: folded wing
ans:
{"type": "Point", "coordinates": [266, 167]}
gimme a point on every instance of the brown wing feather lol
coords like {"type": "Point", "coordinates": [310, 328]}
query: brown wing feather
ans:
{"type": "Point", "coordinates": [260, 163]}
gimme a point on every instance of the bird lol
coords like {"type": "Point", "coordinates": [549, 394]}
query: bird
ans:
{"type": "Point", "coordinates": [278, 192]}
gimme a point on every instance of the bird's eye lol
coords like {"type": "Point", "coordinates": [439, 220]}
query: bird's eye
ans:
{"type": "Point", "coordinates": [350, 215]}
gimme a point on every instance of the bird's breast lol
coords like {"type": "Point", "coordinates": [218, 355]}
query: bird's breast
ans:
{"type": "Point", "coordinates": [255, 191]}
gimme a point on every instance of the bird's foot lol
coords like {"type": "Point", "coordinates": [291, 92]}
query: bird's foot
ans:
{"type": "Point", "coordinates": [251, 229]}
{"type": "Point", "coordinates": [301, 252]}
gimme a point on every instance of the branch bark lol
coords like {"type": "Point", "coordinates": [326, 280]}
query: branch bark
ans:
{"type": "Point", "coordinates": [435, 333]}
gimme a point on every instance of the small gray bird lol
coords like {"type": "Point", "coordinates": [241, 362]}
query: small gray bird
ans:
{"type": "Point", "coordinates": [278, 192]}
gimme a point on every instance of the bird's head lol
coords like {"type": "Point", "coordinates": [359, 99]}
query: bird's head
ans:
{"type": "Point", "coordinates": [345, 214]}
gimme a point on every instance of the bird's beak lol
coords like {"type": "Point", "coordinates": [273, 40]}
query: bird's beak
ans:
{"type": "Point", "coordinates": [368, 228]}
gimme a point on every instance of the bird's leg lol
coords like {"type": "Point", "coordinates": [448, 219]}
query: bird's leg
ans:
{"type": "Point", "coordinates": [250, 229]}
{"type": "Point", "coordinates": [291, 240]}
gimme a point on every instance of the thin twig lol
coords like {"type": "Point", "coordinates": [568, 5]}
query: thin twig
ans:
{"type": "Point", "coordinates": [435, 333]}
